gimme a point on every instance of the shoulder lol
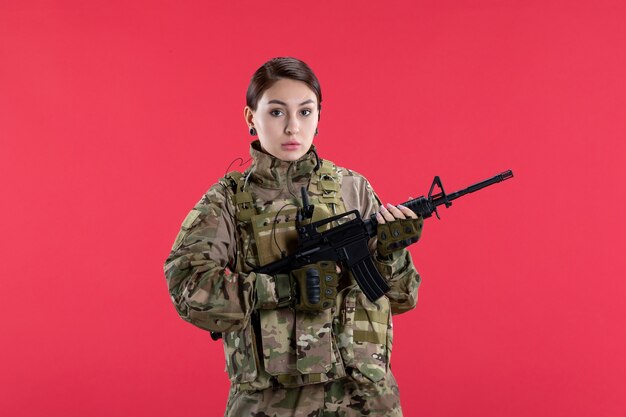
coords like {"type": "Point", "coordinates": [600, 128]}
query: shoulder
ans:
{"type": "Point", "coordinates": [219, 196]}
{"type": "Point", "coordinates": [356, 191]}
{"type": "Point", "coordinates": [348, 175]}
{"type": "Point", "coordinates": [350, 179]}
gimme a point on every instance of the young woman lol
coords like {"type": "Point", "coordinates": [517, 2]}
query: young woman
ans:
{"type": "Point", "coordinates": [293, 347]}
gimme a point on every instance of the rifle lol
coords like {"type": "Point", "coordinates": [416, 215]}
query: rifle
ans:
{"type": "Point", "coordinates": [348, 241]}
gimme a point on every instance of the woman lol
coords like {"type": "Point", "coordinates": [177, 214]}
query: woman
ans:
{"type": "Point", "coordinates": [292, 349]}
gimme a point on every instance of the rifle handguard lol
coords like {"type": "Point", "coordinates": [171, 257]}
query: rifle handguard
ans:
{"type": "Point", "coordinates": [398, 234]}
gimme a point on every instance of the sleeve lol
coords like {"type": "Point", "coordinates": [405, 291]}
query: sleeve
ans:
{"type": "Point", "coordinates": [398, 269]}
{"type": "Point", "coordinates": [200, 272]}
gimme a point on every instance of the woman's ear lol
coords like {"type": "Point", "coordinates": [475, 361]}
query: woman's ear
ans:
{"type": "Point", "coordinates": [248, 114]}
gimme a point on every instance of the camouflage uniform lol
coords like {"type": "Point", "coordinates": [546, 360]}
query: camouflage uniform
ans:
{"type": "Point", "coordinates": [283, 362]}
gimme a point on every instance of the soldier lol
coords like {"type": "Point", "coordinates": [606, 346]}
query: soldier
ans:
{"type": "Point", "coordinates": [286, 355]}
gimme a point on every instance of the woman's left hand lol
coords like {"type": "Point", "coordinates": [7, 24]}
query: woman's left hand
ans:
{"type": "Point", "coordinates": [391, 213]}
{"type": "Point", "coordinates": [398, 227]}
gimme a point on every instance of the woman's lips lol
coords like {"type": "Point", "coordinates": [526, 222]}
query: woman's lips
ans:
{"type": "Point", "coordinates": [290, 146]}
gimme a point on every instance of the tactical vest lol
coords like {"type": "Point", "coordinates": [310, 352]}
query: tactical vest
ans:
{"type": "Point", "coordinates": [288, 348]}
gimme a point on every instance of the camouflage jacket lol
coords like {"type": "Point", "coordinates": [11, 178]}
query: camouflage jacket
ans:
{"type": "Point", "coordinates": [211, 282]}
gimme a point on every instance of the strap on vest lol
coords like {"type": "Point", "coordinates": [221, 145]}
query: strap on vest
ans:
{"type": "Point", "coordinates": [289, 381]}
{"type": "Point", "coordinates": [242, 200]}
{"type": "Point", "coordinates": [283, 290]}
{"type": "Point", "coordinates": [328, 183]}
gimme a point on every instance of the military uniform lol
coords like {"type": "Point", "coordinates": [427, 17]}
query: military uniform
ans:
{"type": "Point", "coordinates": [282, 361]}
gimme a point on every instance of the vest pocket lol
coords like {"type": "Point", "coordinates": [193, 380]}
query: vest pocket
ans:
{"type": "Point", "coordinates": [365, 335]}
{"type": "Point", "coordinates": [296, 344]}
{"type": "Point", "coordinates": [241, 356]}
{"type": "Point", "coordinates": [277, 334]}
{"type": "Point", "coordinates": [314, 341]}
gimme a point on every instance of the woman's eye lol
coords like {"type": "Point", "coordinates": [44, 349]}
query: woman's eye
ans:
{"type": "Point", "coordinates": [305, 112]}
{"type": "Point", "coordinates": [276, 113]}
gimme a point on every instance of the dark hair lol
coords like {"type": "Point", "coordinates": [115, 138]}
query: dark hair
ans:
{"type": "Point", "coordinates": [275, 69]}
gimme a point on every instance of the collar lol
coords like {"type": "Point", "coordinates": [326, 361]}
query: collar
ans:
{"type": "Point", "coordinates": [272, 172]}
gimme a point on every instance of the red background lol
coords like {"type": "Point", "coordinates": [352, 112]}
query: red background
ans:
{"type": "Point", "coordinates": [116, 117]}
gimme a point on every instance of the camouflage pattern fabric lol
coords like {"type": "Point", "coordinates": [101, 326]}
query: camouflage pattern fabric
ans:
{"type": "Point", "coordinates": [340, 398]}
{"type": "Point", "coordinates": [247, 220]}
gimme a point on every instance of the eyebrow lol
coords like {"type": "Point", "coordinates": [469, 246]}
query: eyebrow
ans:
{"type": "Point", "coordinates": [282, 103]}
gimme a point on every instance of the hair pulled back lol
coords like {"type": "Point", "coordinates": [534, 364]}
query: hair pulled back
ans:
{"type": "Point", "coordinates": [276, 69]}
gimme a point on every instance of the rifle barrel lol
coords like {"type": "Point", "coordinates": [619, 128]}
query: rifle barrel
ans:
{"type": "Point", "coordinates": [441, 199]}
{"type": "Point", "coordinates": [426, 206]}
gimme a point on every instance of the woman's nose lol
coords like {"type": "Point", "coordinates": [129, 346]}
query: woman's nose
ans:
{"type": "Point", "coordinates": [292, 127]}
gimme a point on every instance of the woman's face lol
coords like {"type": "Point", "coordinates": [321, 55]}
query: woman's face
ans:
{"type": "Point", "coordinates": [285, 119]}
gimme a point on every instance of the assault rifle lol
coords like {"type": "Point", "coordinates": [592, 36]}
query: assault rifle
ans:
{"type": "Point", "coordinates": [348, 241]}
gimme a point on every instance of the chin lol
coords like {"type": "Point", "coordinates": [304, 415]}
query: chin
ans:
{"type": "Point", "coordinates": [290, 158]}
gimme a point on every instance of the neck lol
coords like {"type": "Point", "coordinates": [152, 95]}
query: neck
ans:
{"type": "Point", "coordinates": [273, 172]}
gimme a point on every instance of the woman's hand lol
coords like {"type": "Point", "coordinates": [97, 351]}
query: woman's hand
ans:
{"type": "Point", "coordinates": [391, 213]}
{"type": "Point", "coordinates": [398, 227]}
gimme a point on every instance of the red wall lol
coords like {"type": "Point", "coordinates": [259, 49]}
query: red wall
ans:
{"type": "Point", "coordinates": [116, 116]}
